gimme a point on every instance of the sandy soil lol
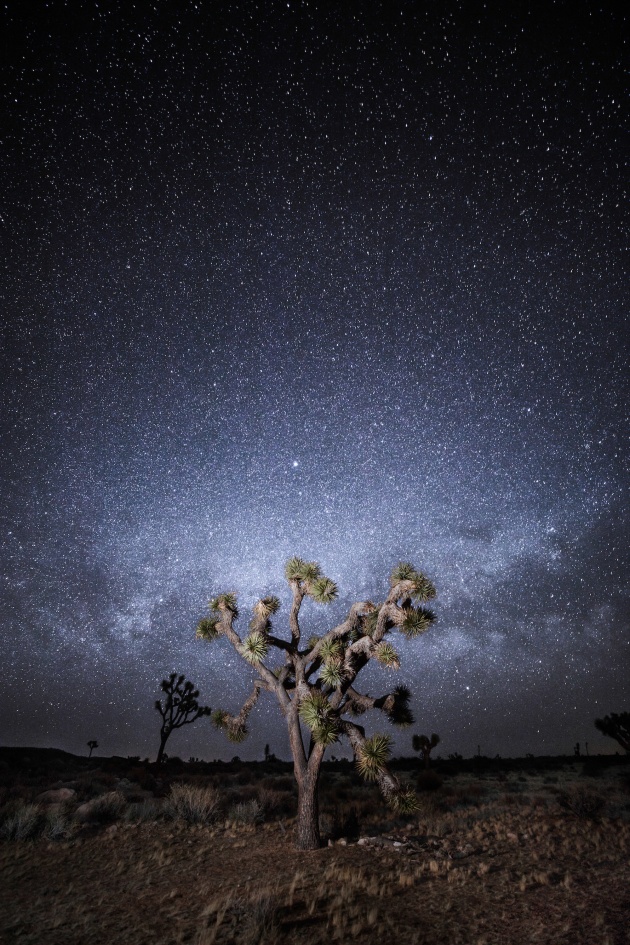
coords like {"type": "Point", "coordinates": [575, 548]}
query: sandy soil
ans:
{"type": "Point", "coordinates": [483, 871]}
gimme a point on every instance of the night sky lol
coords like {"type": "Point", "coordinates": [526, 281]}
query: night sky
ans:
{"type": "Point", "coordinates": [341, 280]}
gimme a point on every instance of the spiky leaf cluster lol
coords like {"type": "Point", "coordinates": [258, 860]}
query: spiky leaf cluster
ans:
{"type": "Point", "coordinates": [417, 621]}
{"type": "Point", "coordinates": [232, 729]}
{"type": "Point", "coordinates": [255, 647]}
{"type": "Point", "coordinates": [372, 756]}
{"type": "Point", "coordinates": [332, 673]}
{"type": "Point", "coordinates": [422, 590]}
{"type": "Point", "coordinates": [224, 602]}
{"type": "Point", "coordinates": [402, 572]}
{"type": "Point", "coordinates": [296, 569]}
{"type": "Point", "coordinates": [323, 590]}
{"type": "Point", "coordinates": [207, 629]}
{"type": "Point", "coordinates": [266, 606]}
{"type": "Point", "coordinates": [404, 801]}
{"type": "Point", "coordinates": [318, 714]}
{"type": "Point", "coordinates": [400, 714]}
{"type": "Point", "coordinates": [387, 656]}
{"type": "Point", "coordinates": [331, 650]}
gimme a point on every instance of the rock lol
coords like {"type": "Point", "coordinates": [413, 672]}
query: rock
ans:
{"type": "Point", "coordinates": [106, 807]}
{"type": "Point", "coordinates": [58, 796]}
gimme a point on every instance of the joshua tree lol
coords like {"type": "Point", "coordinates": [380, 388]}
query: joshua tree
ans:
{"type": "Point", "coordinates": [425, 745]}
{"type": "Point", "coordinates": [315, 685]}
{"type": "Point", "coordinates": [180, 707]}
{"type": "Point", "coordinates": [92, 745]}
{"type": "Point", "coordinates": [617, 726]}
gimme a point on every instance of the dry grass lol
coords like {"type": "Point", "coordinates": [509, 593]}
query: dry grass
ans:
{"type": "Point", "coordinates": [488, 860]}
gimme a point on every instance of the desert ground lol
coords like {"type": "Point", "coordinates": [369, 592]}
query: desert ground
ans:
{"type": "Point", "coordinates": [500, 852]}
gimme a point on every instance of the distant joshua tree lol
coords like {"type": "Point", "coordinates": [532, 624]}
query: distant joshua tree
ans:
{"type": "Point", "coordinates": [617, 726]}
{"type": "Point", "coordinates": [92, 745]}
{"type": "Point", "coordinates": [180, 707]}
{"type": "Point", "coordinates": [314, 684]}
{"type": "Point", "coordinates": [425, 746]}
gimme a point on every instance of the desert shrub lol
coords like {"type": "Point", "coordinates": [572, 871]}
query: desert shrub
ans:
{"type": "Point", "coordinates": [247, 812]}
{"type": "Point", "coordinates": [429, 781]}
{"type": "Point", "coordinates": [582, 801]}
{"type": "Point", "coordinates": [104, 809]}
{"type": "Point", "coordinates": [272, 802]}
{"type": "Point", "coordinates": [144, 811]}
{"type": "Point", "coordinates": [282, 783]}
{"type": "Point", "coordinates": [195, 805]}
{"type": "Point", "coordinates": [58, 825]}
{"type": "Point", "coordinates": [23, 824]}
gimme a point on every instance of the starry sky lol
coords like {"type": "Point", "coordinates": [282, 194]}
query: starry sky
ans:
{"type": "Point", "coordinates": [337, 280]}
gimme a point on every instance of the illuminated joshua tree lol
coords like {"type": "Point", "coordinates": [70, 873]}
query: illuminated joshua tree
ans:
{"type": "Point", "coordinates": [180, 707]}
{"type": "Point", "coordinates": [617, 726]}
{"type": "Point", "coordinates": [315, 685]}
{"type": "Point", "coordinates": [425, 746]}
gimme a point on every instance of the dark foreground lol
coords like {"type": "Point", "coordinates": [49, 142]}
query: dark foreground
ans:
{"type": "Point", "coordinates": [524, 853]}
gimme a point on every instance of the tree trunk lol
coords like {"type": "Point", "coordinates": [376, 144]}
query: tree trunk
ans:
{"type": "Point", "coordinates": [307, 837]}
{"type": "Point", "coordinates": [160, 753]}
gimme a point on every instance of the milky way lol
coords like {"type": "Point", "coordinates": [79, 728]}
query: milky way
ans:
{"type": "Point", "coordinates": [342, 281]}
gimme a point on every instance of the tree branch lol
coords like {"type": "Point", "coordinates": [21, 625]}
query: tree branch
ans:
{"type": "Point", "coordinates": [298, 596]}
{"type": "Point", "coordinates": [389, 785]}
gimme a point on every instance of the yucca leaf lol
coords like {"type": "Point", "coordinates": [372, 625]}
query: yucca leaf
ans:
{"type": "Point", "coordinates": [417, 621]}
{"type": "Point", "coordinates": [314, 708]}
{"type": "Point", "coordinates": [424, 589]}
{"type": "Point", "coordinates": [224, 721]}
{"type": "Point", "coordinates": [402, 572]}
{"type": "Point", "coordinates": [267, 606]}
{"type": "Point", "coordinates": [207, 629]}
{"type": "Point", "coordinates": [322, 590]}
{"type": "Point", "coordinates": [296, 569]}
{"type": "Point", "coordinates": [400, 714]}
{"type": "Point", "coordinates": [255, 647]}
{"type": "Point", "coordinates": [404, 801]}
{"type": "Point", "coordinates": [387, 656]}
{"type": "Point", "coordinates": [318, 715]}
{"type": "Point", "coordinates": [224, 602]}
{"type": "Point", "coordinates": [331, 650]}
{"type": "Point", "coordinates": [372, 756]}
{"type": "Point", "coordinates": [326, 732]}
{"type": "Point", "coordinates": [332, 673]}
{"type": "Point", "coordinates": [219, 718]}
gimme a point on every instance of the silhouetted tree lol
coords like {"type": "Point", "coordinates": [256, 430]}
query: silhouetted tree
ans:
{"type": "Point", "coordinates": [92, 745]}
{"type": "Point", "coordinates": [180, 707]}
{"type": "Point", "coordinates": [425, 746]}
{"type": "Point", "coordinates": [617, 726]}
{"type": "Point", "coordinates": [315, 685]}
